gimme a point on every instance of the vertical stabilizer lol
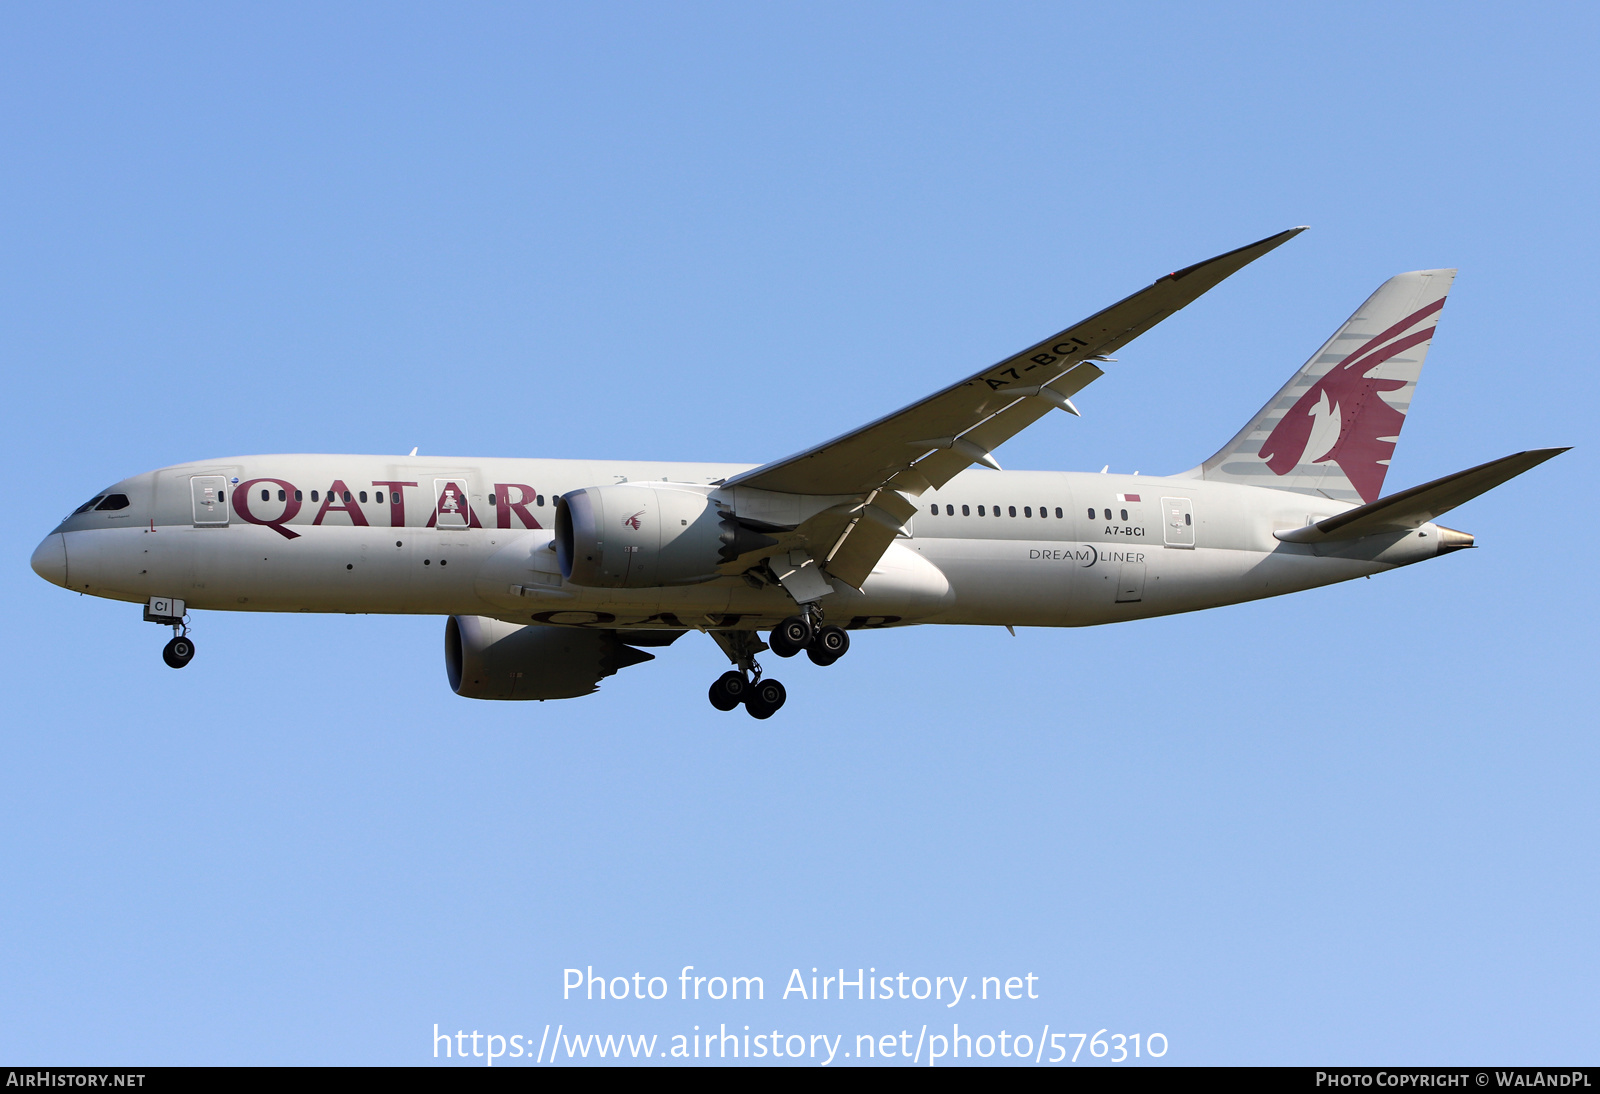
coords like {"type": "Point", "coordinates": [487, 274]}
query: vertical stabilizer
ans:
{"type": "Point", "coordinates": [1333, 427]}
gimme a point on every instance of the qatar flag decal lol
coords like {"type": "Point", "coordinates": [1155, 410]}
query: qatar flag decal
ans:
{"type": "Point", "coordinates": [1127, 497]}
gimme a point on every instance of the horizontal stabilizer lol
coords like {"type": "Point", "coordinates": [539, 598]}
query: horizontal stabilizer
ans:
{"type": "Point", "coordinates": [1415, 507]}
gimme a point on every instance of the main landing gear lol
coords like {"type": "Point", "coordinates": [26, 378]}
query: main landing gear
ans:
{"type": "Point", "coordinates": [744, 686]}
{"type": "Point", "coordinates": [824, 644]}
{"type": "Point", "coordinates": [761, 698]}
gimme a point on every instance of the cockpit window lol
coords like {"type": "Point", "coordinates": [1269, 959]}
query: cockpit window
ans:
{"type": "Point", "coordinates": [112, 501]}
{"type": "Point", "coordinates": [88, 505]}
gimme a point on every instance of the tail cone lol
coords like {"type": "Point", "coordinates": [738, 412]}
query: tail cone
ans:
{"type": "Point", "coordinates": [1452, 540]}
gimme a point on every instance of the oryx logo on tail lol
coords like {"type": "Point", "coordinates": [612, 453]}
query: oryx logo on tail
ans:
{"type": "Point", "coordinates": [1342, 418]}
{"type": "Point", "coordinates": [1332, 429]}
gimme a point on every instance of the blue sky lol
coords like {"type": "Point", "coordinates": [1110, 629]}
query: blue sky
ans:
{"type": "Point", "coordinates": [1355, 825]}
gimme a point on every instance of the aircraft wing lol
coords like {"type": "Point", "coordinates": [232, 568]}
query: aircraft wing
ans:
{"type": "Point", "coordinates": [929, 442]}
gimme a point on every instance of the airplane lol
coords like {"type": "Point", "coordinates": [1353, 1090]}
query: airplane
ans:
{"type": "Point", "coordinates": [555, 574]}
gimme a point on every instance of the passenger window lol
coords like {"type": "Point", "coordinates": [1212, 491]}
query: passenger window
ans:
{"type": "Point", "coordinates": [282, 496]}
{"type": "Point", "coordinates": [112, 503]}
{"type": "Point", "coordinates": [981, 513]}
{"type": "Point", "coordinates": [88, 505]}
{"type": "Point", "coordinates": [1091, 514]}
{"type": "Point", "coordinates": [265, 496]}
{"type": "Point", "coordinates": [347, 497]}
{"type": "Point", "coordinates": [949, 510]}
{"type": "Point", "coordinates": [492, 502]}
{"type": "Point", "coordinates": [363, 496]}
{"type": "Point", "coordinates": [378, 497]}
{"type": "Point", "coordinates": [1027, 510]}
{"type": "Point", "coordinates": [1058, 512]}
{"type": "Point", "coordinates": [965, 511]}
{"type": "Point", "coordinates": [1124, 514]}
{"type": "Point", "coordinates": [297, 496]}
{"type": "Point", "coordinates": [997, 511]}
{"type": "Point", "coordinates": [1013, 510]}
{"type": "Point", "coordinates": [1108, 514]}
{"type": "Point", "coordinates": [313, 495]}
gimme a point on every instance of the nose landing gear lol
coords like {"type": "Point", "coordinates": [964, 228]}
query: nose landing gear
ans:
{"type": "Point", "coordinates": [171, 613]}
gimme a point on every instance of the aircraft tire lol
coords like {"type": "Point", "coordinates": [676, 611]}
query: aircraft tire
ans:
{"type": "Point", "coordinates": [729, 690]}
{"type": "Point", "coordinates": [790, 637]}
{"type": "Point", "coordinates": [832, 642]}
{"type": "Point", "coordinates": [179, 652]}
{"type": "Point", "coordinates": [765, 699]}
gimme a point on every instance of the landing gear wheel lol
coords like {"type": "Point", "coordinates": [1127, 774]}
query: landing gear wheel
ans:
{"type": "Point", "coordinates": [790, 636]}
{"type": "Point", "coordinates": [830, 644]}
{"type": "Point", "coordinates": [729, 690]}
{"type": "Point", "coordinates": [765, 698]}
{"type": "Point", "coordinates": [179, 652]}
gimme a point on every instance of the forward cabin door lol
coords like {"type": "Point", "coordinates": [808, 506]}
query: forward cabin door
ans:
{"type": "Point", "coordinates": [451, 504]}
{"type": "Point", "coordinates": [209, 494]}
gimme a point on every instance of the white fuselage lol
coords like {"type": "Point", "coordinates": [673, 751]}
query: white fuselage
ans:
{"type": "Point", "coordinates": [1020, 548]}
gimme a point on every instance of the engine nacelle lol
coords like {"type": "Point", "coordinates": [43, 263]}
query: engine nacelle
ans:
{"type": "Point", "coordinates": [488, 659]}
{"type": "Point", "coordinates": [642, 535]}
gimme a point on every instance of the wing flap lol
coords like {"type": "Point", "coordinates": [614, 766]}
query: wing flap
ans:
{"type": "Point", "coordinates": [873, 526]}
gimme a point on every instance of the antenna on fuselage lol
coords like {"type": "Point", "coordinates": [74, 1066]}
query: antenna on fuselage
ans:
{"type": "Point", "coordinates": [413, 452]}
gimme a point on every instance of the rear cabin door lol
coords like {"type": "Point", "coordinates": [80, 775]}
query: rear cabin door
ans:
{"type": "Point", "coordinates": [1177, 522]}
{"type": "Point", "coordinates": [210, 496]}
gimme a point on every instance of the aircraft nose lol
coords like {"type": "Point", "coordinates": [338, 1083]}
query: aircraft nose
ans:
{"type": "Point", "coordinates": [50, 559]}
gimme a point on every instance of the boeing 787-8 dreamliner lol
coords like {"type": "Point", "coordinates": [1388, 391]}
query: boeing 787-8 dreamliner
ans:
{"type": "Point", "coordinates": [554, 574]}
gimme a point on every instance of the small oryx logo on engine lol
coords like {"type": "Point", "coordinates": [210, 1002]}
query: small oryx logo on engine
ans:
{"type": "Point", "coordinates": [633, 521]}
